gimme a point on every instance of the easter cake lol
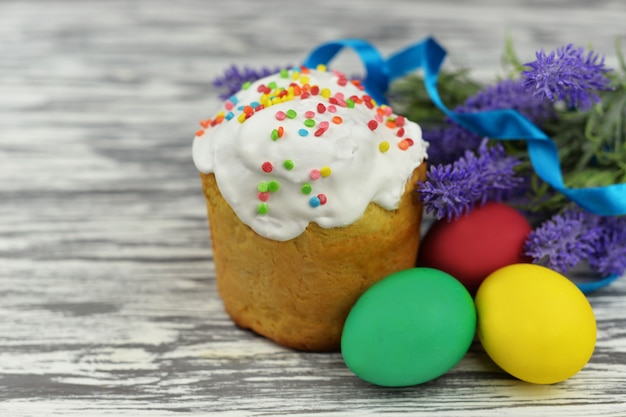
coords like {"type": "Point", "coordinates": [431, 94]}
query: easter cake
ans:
{"type": "Point", "coordinates": [310, 192]}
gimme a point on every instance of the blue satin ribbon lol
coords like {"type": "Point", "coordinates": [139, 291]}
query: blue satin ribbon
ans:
{"type": "Point", "coordinates": [587, 287]}
{"type": "Point", "coordinates": [506, 124]}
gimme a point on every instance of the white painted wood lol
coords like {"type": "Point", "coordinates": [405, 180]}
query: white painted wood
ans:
{"type": "Point", "coordinates": [107, 297]}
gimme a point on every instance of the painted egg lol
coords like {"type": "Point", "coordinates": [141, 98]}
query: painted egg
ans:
{"type": "Point", "coordinates": [475, 245]}
{"type": "Point", "coordinates": [409, 328]}
{"type": "Point", "coordinates": [535, 323]}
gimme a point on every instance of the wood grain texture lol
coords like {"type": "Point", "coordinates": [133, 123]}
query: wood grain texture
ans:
{"type": "Point", "coordinates": [107, 294]}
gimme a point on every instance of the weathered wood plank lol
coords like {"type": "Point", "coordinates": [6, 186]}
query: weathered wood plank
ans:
{"type": "Point", "coordinates": [107, 295]}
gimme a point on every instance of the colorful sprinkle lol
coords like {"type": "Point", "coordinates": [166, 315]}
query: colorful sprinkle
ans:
{"type": "Point", "coordinates": [288, 164]}
{"type": "Point", "coordinates": [400, 121]}
{"type": "Point", "coordinates": [337, 120]}
{"type": "Point", "coordinates": [315, 174]}
{"type": "Point", "coordinates": [314, 201]}
{"type": "Point", "coordinates": [383, 146]}
{"type": "Point", "coordinates": [321, 67]}
{"type": "Point", "coordinates": [200, 133]}
{"type": "Point", "coordinates": [410, 141]}
{"type": "Point", "coordinates": [284, 73]}
{"type": "Point", "coordinates": [309, 122]}
{"type": "Point", "coordinates": [356, 99]}
{"type": "Point", "coordinates": [309, 114]}
{"type": "Point", "coordinates": [291, 113]}
{"type": "Point", "coordinates": [262, 208]}
{"type": "Point", "coordinates": [263, 187]}
{"type": "Point", "coordinates": [321, 108]}
{"type": "Point", "coordinates": [281, 131]}
{"type": "Point", "coordinates": [350, 103]}
{"type": "Point", "coordinates": [325, 171]}
{"type": "Point", "coordinates": [332, 108]}
{"type": "Point", "coordinates": [229, 105]}
{"type": "Point", "coordinates": [263, 196]}
{"type": "Point", "coordinates": [319, 132]}
{"type": "Point", "coordinates": [315, 90]}
{"type": "Point", "coordinates": [403, 144]}
{"type": "Point", "coordinates": [372, 124]}
{"type": "Point", "coordinates": [242, 118]}
{"type": "Point", "coordinates": [273, 186]}
{"type": "Point", "coordinates": [267, 166]}
{"type": "Point", "coordinates": [322, 198]}
{"type": "Point", "coordinates": [303, 132]}
{"type": "Point", "coordinates": [229, 115]}
{"type": "Point", "coordinates": [280, 115]}
{"type": "Point", "coordinates": [306, 188]}
{"type": "Point", "coordinates": [357, 84]}
{"type": "Point", "coordinates": [274, 134]}
{"type": "Point", "coordinates": [324, 125]}
{"type": "Point", "coordinates": [400, 131]}
{"type": "Point", "coordinates": [325, 93]}
{"type": "Point", "coordinates": [246, 85]}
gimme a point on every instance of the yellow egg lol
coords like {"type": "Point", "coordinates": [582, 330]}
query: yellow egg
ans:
{"type": "Point", "coordinates": [535, 323]}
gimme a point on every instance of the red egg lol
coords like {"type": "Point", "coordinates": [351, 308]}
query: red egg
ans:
{"type": "Point", "coordinates": [475, 245]}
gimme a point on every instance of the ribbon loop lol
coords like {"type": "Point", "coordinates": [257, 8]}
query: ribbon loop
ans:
{"type": "Point", "coordinates": [376, 80]}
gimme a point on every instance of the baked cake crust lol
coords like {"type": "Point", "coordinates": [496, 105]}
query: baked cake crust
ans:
{"type": "Point", "coordinates": [299, 292]}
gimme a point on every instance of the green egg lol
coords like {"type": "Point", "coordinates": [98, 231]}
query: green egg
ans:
{"type": "Point", "coordinates": [409, 328]}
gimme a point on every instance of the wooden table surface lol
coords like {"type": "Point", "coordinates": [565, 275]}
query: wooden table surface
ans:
{"type": "Point", "coordinates": [107, 295]}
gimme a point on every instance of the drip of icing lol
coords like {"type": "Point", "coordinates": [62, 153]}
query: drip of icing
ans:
{"type": "Point", "coordinates": [307, 146]}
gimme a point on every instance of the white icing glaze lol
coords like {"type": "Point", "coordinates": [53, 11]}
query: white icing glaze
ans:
{"type": "Point", "coordinates": [360, 173]}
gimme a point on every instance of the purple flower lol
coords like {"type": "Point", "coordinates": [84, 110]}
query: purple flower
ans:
{"type": "Point", "coordinates": [609, 256]}
{"type": "Point", "coordinates": [567, 75]}
{"type": "Point", "coordinates": [452, 190]}
{"type": "Point", "coordinates": [510, 94]}
{"type": "Point", "coordinates": [234, 78]}
{"type": "Point", "coordinates": [563, 241]}
{"type": "Point", "coordinates": [576, 235]}
{"type": "Point", "coordinates": [450, 142]}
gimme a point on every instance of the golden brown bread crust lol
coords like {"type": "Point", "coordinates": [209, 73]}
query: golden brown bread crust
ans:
{"type": "Point", "coordinates": [299, 292]}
